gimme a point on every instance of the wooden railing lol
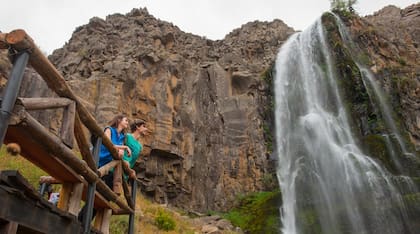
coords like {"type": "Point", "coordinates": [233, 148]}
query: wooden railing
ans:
{"type": "Point", "coordinates": [55, 154]}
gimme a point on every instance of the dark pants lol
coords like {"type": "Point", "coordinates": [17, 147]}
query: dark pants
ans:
{"type": "Point", "coordinates": [109, 180]}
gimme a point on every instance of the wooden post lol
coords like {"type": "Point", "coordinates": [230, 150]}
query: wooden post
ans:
{"type": "Point", "coordinates": [70, 197]}
{"type": "Point", "coordinates": [9, 228]}
{"type": "Point", "coordinates": [102, 220]}
{"type": "Point", "coordinates": [75, 198]}
{"type": "Point", "coordinates": [67, 126]}
{"type": "Point", "coordinates": [118, 178]}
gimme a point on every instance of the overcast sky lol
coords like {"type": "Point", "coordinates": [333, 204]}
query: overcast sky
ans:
{"type": "Point", "coordinates": [51, 22]}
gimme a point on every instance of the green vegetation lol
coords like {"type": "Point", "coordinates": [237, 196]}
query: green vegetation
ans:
{"type": "Point", "coordinates": [26, 168]}
{"type": "Point", "coordinates": [268, 109]}
{"type": "Point", "coordinates": [342, 5]}
{"type": "Point", "coordinates": [376, 146]}
{"type": "Point", "coordinates": [118, 224]}
{"type": "Point", "coordinates": [257, 212]}
{"type": "Point", "coordinates": [164, 221]}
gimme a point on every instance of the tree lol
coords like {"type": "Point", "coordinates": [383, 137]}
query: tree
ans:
{"type": "Point", "coordinates": [342, 5]}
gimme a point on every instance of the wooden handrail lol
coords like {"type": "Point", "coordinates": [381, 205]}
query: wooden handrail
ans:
{"type": "Point", "coordinates": [20, 41]}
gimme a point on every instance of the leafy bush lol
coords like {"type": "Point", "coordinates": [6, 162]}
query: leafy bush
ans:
{"type": "Point", "coordinates": [164, 221]}
{"type": "Point", "coordinates": [257, 212]}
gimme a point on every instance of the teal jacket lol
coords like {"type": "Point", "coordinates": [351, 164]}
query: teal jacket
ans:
{"type": "Point", "coordinates": [135, 147]}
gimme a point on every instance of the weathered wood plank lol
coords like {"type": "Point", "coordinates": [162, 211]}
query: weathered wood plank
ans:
{"type": "Point", "coordinates": [49, 180]}
{"type": "Point", "coordinates": [39, 217]}
{"type": "Point", "coordinates": [70, 197]}
{"type": "Point", "coordinates": [102, 220]}
{"type": "Point", "coordinates": [9, 228]}
{"type": "Point", "coordinates": [40, 155]}
{"type": "Point", "coordinates": [83, 144]}
{"type": "Point", "coordinates": [67, 126]}
{"type": "Point", "coordinates": [65, 193]}
{"type": "Point", "coordinates": [75, 198]}
{"type": "Point", "coordinates": [127, 194]}
{"type": "Point", "coordinates": [44, 103]}
{"type": "Point", "coordinates": [57, 148]}
{"type": "Point", "coordinates": [104, 170]}
{"type": "Point", "coordinates": [118, 178]}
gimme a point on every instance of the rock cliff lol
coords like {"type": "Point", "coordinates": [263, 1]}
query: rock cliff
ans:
{"type": "Point", "coordinates": [202, 99]}
{"type": "Point", "coordinates": [391, 38]}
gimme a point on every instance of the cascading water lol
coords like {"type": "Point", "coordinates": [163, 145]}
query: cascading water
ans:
{"type": "Point", "coordinates": [328, 185]}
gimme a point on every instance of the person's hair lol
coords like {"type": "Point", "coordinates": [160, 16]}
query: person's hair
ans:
{"type": "Point", "coordinates": [136, 123]}
{"type": "Point", "coordinates": [116, 120]}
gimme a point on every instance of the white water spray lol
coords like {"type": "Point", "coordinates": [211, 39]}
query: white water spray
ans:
{"type": "Point", "coordinates": [328, 185]}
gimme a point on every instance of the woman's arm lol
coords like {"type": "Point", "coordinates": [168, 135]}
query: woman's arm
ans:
{"type": "Point", "coordinates": [123, 147]}
{"type": "Point", "coordinates": [117, 147]}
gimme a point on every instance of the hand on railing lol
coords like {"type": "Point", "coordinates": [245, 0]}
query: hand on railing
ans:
{"type": "Point", "coordinates": [131, 172]}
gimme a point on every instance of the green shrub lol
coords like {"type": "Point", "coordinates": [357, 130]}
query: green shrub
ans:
{"type": "Point", "coordinates": [164, 221]}
{"type": "Point", "coordinates": [257, 212]}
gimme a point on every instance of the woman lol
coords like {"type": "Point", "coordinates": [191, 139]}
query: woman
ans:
{"type": "Point", "coordinates": [138, 128]}
{"type": "Point", "coordinates": [116, 133]}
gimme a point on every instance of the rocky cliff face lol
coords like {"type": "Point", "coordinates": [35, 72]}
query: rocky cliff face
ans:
{"type": "Point", "coordinates": [202, 99]}
{"type": "Point", "coordinates": [391, 38]}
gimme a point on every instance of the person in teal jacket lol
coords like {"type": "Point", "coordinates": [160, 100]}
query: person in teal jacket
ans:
{"type": "Point", "coordinates": [138, 128]}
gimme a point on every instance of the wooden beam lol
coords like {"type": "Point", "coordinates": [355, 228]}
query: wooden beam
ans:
{"type": "Point", "coordinates": [23, 205]}
{"type": "Point", "coordinates": [44, 103]}
{"type": "Point", "coordinates": [104, 170]}
{"type": "Point", "coordinates": [118, 178]}
{"type": "Point", "coordinates": [111, 196]}
{"type": "Point", "coordinates": [40, 155]}
{"type": "Point", "coordinates": [127, 194]}
{"type": "Point", "coordinates": [65, 192]}
{"type": "Point", "coordinates": [52, 144]}
{"type": "Point", "coordinates": [57, 148]}
{"type": "Point", "coordinates": [75, 198]}
{"type": "Point", "coordinates": [102, 220]}
{"type": "Point", "coordinates": [9, 228]}
{"type": "Point", "coordinates": [19, 40]}
{"type": "Point", "coordinates": [83, 144]}
{"type": "Point", "coordinates": [70, 197]}
{"type": "Point", "coordinates": [67, 125]}
{"type": "Point", "coordinates": [49, 180]}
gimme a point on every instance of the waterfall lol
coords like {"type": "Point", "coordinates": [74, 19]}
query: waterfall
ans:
{"type": "Point", "coordinates": [328, 184]}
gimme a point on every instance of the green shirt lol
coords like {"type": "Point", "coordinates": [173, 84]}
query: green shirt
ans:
{"type": "Point", "coordinates": [135, 148]}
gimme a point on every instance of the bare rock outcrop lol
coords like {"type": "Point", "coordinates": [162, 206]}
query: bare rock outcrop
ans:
{"type": "Point", "coordinates": [391, 38]}
{"type": "Point", "coordinates": [202, 99]}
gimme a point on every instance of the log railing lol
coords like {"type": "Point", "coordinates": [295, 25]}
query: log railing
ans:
{"type": "Point", "coordinates": [75, 116]}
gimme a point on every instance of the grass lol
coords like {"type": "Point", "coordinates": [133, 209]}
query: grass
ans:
{"type": "Point", "coordinates": [25, 167]}
{"type": "Point", "coordinates": [147, 214]}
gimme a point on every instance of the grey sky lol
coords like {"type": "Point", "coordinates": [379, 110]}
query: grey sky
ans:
{"type": "Point", "coordinates": [51, 22]}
